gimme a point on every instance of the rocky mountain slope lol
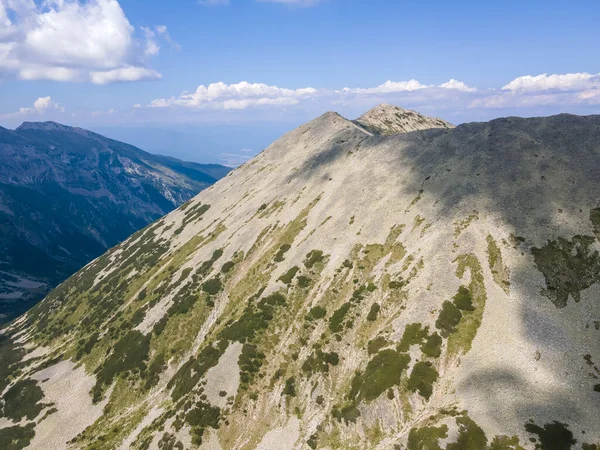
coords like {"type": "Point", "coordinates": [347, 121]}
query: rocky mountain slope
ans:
{"type": "Point", "coordinates": [342, 290]}
{"type": "Point", "coordinates": [388, 119]}
{"type": "Point", "coordinates": [67, 195]}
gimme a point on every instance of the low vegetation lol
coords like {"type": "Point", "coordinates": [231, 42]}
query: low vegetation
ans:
{"type": "Point", "coordinates": [414, 334]}
{"type": "Point", "coordinates": [336, 321]}
{"type": "Point", "coordinates": [287, 277]}
{"type": "Point", "coordinates": [130, 354]}
{"type": "Point", "coordinates": [320, 361]}
{"type": "Point", "coordinates": [313, 258]}
{"type": "Point", "coordinates": [22, 400]}
{"type": "Point", "coordinates": [422, 379]}
{"type": "Point", "coordinates": [426, 438]}
{"type": "Point", "coordinates": [16, 437]}
{"type": "Point", "coordinates": [568, 266]}
{"type": "Point", "coordinates": [316, 313]}
{"type": "Point", "coordinates": [383, 371]}
{"type": "Point", "coordinates": [554, 435]}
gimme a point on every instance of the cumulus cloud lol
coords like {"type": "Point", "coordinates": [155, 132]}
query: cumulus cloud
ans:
{"type": "Point", "coordinates": [450, 99]}
{"type": "Point", "coordinates": [245, 95]}
{"type": "Point", "coordinates": [387, 87]}
{"type": "Point", "coordinates": [544, 82]}
{"type": "Point", "coordinates": [74, 40]}
{"type": "Point", "coordinates": [544, 90]}
{"type": "Point", "coordinates": [40, 107]}
{"type": "Point", "coordinates": [236, 96]}
{"type": "Point", "coordinates": [458, 85]}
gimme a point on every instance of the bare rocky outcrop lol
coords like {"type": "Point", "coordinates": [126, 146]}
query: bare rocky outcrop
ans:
{"type": "Point", "coordinates": [387, 119]}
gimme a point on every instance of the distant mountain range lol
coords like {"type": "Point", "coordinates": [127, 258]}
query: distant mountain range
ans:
{"type": "Point", "coordinates": [67, 195]}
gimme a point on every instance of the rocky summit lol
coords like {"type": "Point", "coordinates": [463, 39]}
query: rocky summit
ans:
{"type": "Point", "coordinates": [67, 195]}
{"type": "Point", "coordinates": [348, 288]}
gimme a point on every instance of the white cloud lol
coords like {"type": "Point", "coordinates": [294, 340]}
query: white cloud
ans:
{"type": "Point", "coordinates": [515, 99]}
{"type": "Point", "coordinates": [387, 87]}
{"type": "Point", "coordinates": [40, 107]}
{"type": "Point", "coordinates": [162, 31]}
{"type": "Point", "coordinates": [260, 101]}
{"type": "Point", "coordinates": [152, 35]}
{"type": "Point", "coordinates": [44, 103]}
{"type": "Point", "coordinates": [458, 85]}
{"type": "Point", "coordinates": [39, 72]}
{"type": "Point", "coordinates": [130, 73]}
{"type": "Point", "coordinates": [390, 87]}
{"type": "Point", "coordinates": [236, 96]}
{"type": "Point", "coordinates": [73, 40]}
{"type": "Point", "coordinates": [544, 82]}
{"type": "Point", "coordinates": [544, 90]}
{"type": "Point", "coordinates": [152, 48]}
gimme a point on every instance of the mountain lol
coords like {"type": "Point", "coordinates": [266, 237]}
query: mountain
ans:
{"type": "Point", "coordinates": [388, 119]}
{"type": "Point", "coordinates": [67, 195]}
{"type": "Point", "coordinates": [424, 290]}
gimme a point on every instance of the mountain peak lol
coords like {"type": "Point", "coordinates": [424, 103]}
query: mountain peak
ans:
{"type": "Point", "coordinates": [386, 119]}
{"type": "Point", "coordinates": [45, 126]}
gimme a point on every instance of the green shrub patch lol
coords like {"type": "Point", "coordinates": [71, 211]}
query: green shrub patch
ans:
{"type": "Point", "coordinates": [316, 313]}
{"type": "Point", "coordinates": [280, 255]}
{"type": "Point", "coordinates": [414, 334]}
{"type": "Point", "coordinates": [426, 438]}
{"type": "Point", "coordinates": [320, 361]}
{"type": "Point", "coordinates": [22, 400]}
{"type": "Point", "coordinates": [373, 312]}
{"type": "Point", "coordinates": [383, 371]}
{"type": "Point", "coordinates": [552, 436]}
{"type": "Point", "coordinates": [337, 319]}
{"type": "Point", "coordinates": [448, 319]}
{"type": "Point", "coordinates": [432, 346]}
{"type": "Point", "coordinates": [290, 387]}
{"type": "Point", "coordinates": [568, 266]}
{"type": "Point", "coordinates": [16, 437]}
{"type": "Point", "coordinates": [227, 266]}
{"type": "Point", "coordinates": [313, 258]}
{"type": "Point", "coordinates": [287, 277]}
{"type": "Point", "coordinates": [129, 354]}
{"type": "Point", "coordinates": [463, 299]}
{"type": "Point", "coordinates": [200, 417]}
{"type": "Point", "coordinates": [422, 378]}
{"type": "Point", "coordinates": [212, 286]}
{"type": "Point", "coordinates": [377, 344]}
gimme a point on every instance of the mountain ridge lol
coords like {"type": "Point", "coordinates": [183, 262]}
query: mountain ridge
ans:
{"type": "Point", "coordinates": [68, 194]}
{"type": "Point", "coordinates": [421, 290]}
{"type": "Point", "coordinates": [49, 125]}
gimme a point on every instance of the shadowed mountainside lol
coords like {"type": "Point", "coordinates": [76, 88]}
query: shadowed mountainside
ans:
{"type": "Point", "coordinates": [67, 195]}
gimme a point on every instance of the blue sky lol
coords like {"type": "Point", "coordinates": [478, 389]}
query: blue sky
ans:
{"type": "Point", "coordinates": [168, 76]}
